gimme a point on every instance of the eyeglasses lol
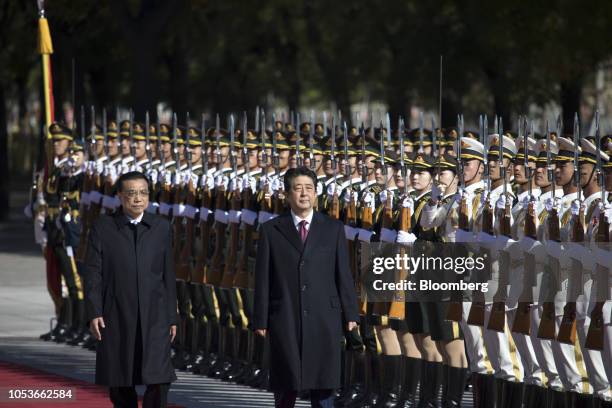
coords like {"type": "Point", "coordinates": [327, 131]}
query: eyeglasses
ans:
{"type": "Point", "coordinates": [135, 193]}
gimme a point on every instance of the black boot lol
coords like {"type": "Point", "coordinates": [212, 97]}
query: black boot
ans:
{"type": "Point", "coordinates": [555, 398]}
{"type": "Point", "coordinates": [577, 400]}
{"type": "Point", "coordinates": [431, 379]}
{"type": "Point", "coordinates": [391, 389]}
{"type": "Point", "coordinates": [373, 383]}
{"type": "Point", "coordinates": [239, 359]}
{"type": "Point", "coordinates": [454, 385]}
{"type": "Point", "coordinates": [258, 376]}
{"type": "Point", "coordinates": [179, 344]}
{"type": "Point", "coordinates": [533, 396]}
{"type": "Point", "coordinates": [605, 404]}
{"type": "Point", "coordinates": [485, 389]}
{"type": "Point", "coordinates": [52, 334]}
{"type": "Point", "coordinates": [410, 382]}
{"type": "Point", "coordinates": [211, 346]}
{"type": "Point", "coordinates": [79, 324]}
{"type": "Point", "coordinates": [357, 390]}
{"type": "Point", "coordinates": [512, 395]}
{"type": "Point", "coordinates": [63, 331]}
{"type": "Point", "coordinates": [345, 375]}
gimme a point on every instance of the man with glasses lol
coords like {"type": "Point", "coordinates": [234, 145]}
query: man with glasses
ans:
{"type": "Point", "coordinates": [131, 297]}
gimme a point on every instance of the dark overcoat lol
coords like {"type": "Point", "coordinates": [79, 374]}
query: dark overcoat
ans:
{"type": "Point", "coordinates": [303, 295]}
{"type": "Point", "coordinates": [128, 283]}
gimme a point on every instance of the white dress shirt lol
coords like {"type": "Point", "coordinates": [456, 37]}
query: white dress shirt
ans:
{"type": "Point", "coordinates": [297, 220]}
{"type": "Point", "coordinates": [136, 220]}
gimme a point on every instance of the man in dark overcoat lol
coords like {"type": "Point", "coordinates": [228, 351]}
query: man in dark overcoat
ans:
{"type": "Point", "coordinates": [131, 297]}
{"type": "Point", "coordinates": [304, 294]}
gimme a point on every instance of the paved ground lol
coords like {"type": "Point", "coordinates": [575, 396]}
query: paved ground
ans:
{"type": "Point", "coordinates": [25, 306]}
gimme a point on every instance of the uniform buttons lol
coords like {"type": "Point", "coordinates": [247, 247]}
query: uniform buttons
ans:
{"type": "Point", "coordinates": [301, 263]}
{"type": "Point", "coordinates": [304, 287]}
{"type": "Point", "coordinates": [305, 312]}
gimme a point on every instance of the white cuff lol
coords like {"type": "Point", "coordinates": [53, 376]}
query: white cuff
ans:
{"type": "Point", "coordinates": [234, 216]}
{"type": "Point", "coordinates": [350, 232]}
{"type": "Point", "coordinates": [388, 235]}
{"type": "Point", "coordinates": [204, 214]}
{"type": "Point", "coordinates": [248, 216]}
{"type": "Point", "coordinates": [221, 216]}
{"type": "Point", "coordinates": [189, 211]}
{"type": "Point", "coordinates": [365, 235]}
{"type": "Point", "coordinates": [265, 216]}
{"type": "Point", "coordinates": [164, 208]}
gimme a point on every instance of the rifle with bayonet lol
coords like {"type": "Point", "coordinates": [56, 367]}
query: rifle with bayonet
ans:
{"type": "Point", "coordinates": [177, 218]}
{"type": "Point", "coordinates": [88, 184]}
{"type": "Point", "coordinates": [205, 197]}
{"type": "Point", "coordinates": [248, 243]}
{"type": "Point", "coordinates": [277, 203]}
{"type": "Point", "coordinates": [595, 333]}
{"type": "Point", "coordinates": [522, 320]}
{"type": "Point", "coordinates": [567, 328]}
{"type": "Point", "coordinates": [335, 201]}
{"type": "Point", "coordinates": [455, 308]}
{"type": "Point", "coordinates": [216, 271]}
{"type": "Point", "coordinates": [189, 188]}
{"type": "Point", "coordinates": [397, 310]}
{"type": "Point", "coordinates": [548, 325]}
{"type": "Point", "coordinates": [131, 138]}
{"type": "Point", "coordinates": [476, 315]}
{"type": "Point", "coordinates": [381, 309]}
{"type": "Point", "coordinates": [235, 200]}
{"type": "Point", "coordinates": [148, 143]}
{"type": "Point", "coordinates": [497, 318]}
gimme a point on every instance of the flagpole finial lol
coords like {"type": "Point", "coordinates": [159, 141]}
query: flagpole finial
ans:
{"type": "Point", "coordinates": [41, 8]}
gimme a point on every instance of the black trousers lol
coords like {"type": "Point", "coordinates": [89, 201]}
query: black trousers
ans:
{"type": "Point", "coordinates": [156, 396]}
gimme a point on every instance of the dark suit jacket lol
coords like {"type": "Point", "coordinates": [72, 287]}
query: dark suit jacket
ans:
{"type": "Point", "coordinates": [303, 296]}
{"type": "Point", "coordinates": [126, 283]}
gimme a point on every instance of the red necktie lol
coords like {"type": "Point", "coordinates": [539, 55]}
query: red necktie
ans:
{"type": "Point", "coordinates": [303, 230]}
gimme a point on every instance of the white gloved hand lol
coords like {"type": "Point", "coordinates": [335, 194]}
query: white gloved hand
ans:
{"type": "Point", "coordinates": [576, 207]}
{"type": "Point", "coordinates": [404, 237]}
{"type": "Point", "coordinates": [112, 174]}
{"type": "Point", "coordinates": [368, 199]}
{"type": "Point", "coordinates": [153, 175]}
{"type": "Point", "coordinates": [348, 196]}
{"type": "Point", "coordinates": [263, 181]}
{"type": "Point", "coordinates": [194, 180]}
{"type": "Point", "coordinates": [276, 184]}
{"type": "Point", "coordinates": [383, 196]}
{"type": "Point", "coordinates": [99, 167]}
{"type": "Point", "coordinates": [501, 202]}
{"type": "Point", "coordinates": [484, 197]}
{"type": "Point", "coordinates": [407, 202]}
{"type": "Point", "coordinates": [235, 183]}
{"type": "Point", "coordinates": [185, 177]}
{"type": "Point", "coordinates": [221, 181]}
{"type": "Point", "coordinates": [331, 189]}
{"type": "Point", "coordinates": [168, 178]}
